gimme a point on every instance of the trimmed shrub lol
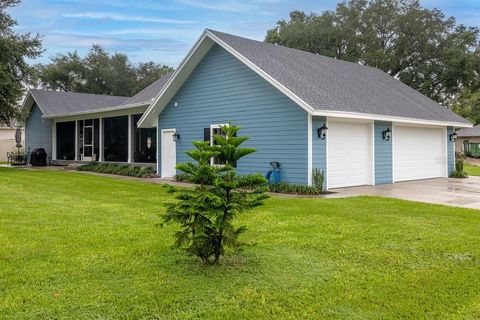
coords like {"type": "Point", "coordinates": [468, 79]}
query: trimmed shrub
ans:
{"type": "Point", "coordinates": [283, 187]}
{"type": "Point", "coordinates": [119, 169]}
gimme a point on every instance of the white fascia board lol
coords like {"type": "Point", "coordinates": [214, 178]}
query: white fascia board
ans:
{"type": "Point", "coordinates": [364, 116]}
{"type": "Point", "coordinates": [98, 111]}
{"type": "Point", "coordinates": [179, 76]}
{"type": "Point", "coordinates": [28, 102]}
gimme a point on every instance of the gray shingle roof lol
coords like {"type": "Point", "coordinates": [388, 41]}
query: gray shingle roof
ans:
{"type": "Point", "coordinates": [57, 103]}
{"type": "Point", "coordinates": [469, 132]}
{"type": "Point", "coordinates": [328, 84]}
{"type": "Point", "coordinates": [150, 92]}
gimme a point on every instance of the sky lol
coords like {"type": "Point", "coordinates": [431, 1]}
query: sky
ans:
{"type": "Point", "coordinates": [163, 31]}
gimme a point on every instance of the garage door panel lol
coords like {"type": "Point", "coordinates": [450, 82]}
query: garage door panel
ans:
{"type": "Point", "coordinates": [349, 154]}
{"type": "Point", "coordinates": [419, 153]}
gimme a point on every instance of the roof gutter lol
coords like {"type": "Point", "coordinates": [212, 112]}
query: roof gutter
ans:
{"type": "Point", "coordinates": [107, 109]}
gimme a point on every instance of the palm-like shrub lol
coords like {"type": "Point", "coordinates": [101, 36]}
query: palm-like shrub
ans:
{"type": "Point", "coordinates": [206, 214]}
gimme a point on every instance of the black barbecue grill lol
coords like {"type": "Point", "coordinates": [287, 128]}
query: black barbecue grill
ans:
{"type": "Point", "coordinates": [38, 157]}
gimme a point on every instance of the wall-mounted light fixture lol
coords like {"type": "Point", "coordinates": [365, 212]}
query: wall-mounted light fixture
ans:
{"type": "Point", "coordinates": [453, 137]}
{"type": "Point", "coordinates": [176, 136]}
{"type": "Point", "coordinates": [322, 132]}
{"type": "Point", "coordinates": [387, 134]}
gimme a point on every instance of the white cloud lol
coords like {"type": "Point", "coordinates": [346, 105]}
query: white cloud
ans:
{"type": "Point", "coordinates": [121, 17]}
{"type": "Point", "coordinates": [73, 41]}
{"type": "Point", "coordinates": [229, 5]}
{"type": "Point", "coordinates": [155, 31]}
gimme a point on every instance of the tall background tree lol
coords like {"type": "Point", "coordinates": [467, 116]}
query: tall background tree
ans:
{"type": "Point", "coordinates": [98, 72]}
{"type": "Point", "coordinates": [421, 47]}
{"type": "Point", "coordinates": [15, 49]}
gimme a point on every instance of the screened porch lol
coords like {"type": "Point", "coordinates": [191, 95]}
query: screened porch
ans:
{"type": "Point", "coordinates": [106, 139]}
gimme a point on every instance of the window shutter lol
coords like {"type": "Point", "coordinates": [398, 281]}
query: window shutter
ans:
{"type": "Point", "coordinates": [206, 134]}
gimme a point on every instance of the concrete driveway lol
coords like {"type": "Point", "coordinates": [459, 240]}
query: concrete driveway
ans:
{"type": "Point", "coordinates": [453, 192]}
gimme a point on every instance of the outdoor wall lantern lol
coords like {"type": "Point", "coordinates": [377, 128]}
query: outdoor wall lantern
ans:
{"type": "Point", "coordinates": [176, 136]}
{"type": "Point", "coordinates": [453, 137]}
{"type": "Point", "coordinates": [387, 134]}
{"type": "Point", "coordinates": [322, 132]}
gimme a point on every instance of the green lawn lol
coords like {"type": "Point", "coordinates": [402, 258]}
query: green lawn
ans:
{"type": "Point", "coordinates": [79, 246]}
{"type": "Point", "coordinates": [472, 170]}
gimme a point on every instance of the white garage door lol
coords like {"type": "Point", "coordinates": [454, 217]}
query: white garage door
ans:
{"type": "Point", "coordinates": [419, 153]}
{"type": "Point", "coordinates": [349, 154]}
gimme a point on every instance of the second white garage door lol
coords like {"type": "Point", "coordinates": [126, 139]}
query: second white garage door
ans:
{"type": "Point", "coordinates": [349, 154]}
{"type": "Point", "coordinates": [419, 153]}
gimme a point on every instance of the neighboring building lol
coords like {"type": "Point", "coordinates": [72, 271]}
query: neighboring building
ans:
{"type": "Point", "coordinates": [468, 141]}
{"type": "Point", "coordinates": [379, 130]}
{"type": "Point", "coordinates": [7, 141]}
{"type": "Point", "coordinates": [90, 127]}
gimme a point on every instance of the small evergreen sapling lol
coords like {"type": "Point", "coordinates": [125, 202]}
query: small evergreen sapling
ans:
{"type": "Point", "coordinates": [206, 214]}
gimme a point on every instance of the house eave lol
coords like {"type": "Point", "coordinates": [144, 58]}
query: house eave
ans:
{"type": "Point", "coordinates": [364, 116]}
{"type": "Point", "coordinates": [96, 111]}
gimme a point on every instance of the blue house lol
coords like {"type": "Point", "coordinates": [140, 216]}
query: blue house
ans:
{"type": "Point", "coordinates": [355, 123]}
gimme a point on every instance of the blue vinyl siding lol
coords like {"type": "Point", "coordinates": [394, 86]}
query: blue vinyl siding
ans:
{"type": "Point", "coordinates": [383, 154]}
{"type": "Point", "coordinates": [451, 151]}
{"type": "Point", "coordinates": [38, 132]}
{"type": "Point", "coordinates": [319, 148]}
{"type": "Point", "coordinates": [222, 89]}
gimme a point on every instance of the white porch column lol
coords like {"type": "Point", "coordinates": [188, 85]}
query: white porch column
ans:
{"type": "Point", "coordinates": [54, 140]}
{"type": "Point", "coordinates": [100, 139]}
{"type": "Point", "coordinates": [76, 140]}
{"type": "Point", "coordinates": [130, 131]}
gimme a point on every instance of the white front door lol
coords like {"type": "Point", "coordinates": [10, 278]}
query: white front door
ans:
{"type": "Point", "coordinates": [349, 153]}
{"type": "Point", "coordinates": [169, 153]}
{"type": "Point", "coordinates": [419, 153]}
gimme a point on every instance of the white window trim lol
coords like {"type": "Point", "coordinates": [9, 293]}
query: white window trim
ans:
{"type": "Point", "coordinates": [215, 126]}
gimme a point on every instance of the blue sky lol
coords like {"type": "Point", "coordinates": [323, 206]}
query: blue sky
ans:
{"type": "Point", "coordinates": [164, 30]}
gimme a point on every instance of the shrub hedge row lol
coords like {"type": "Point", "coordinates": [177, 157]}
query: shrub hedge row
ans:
{"type": "Point", "coordinates": [294, 189]}
{"type": "Point", "coordinates": [281, 187]}
{"type": "Point", "coordinates": [119, 169]}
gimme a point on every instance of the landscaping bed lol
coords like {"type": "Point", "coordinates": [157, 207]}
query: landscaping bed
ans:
{"type": "Point", "coordinates": [119, 169]}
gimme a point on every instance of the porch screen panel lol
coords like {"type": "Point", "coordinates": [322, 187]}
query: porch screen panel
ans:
{"type": "Point", "coordinates": [66, 140]}
{"type": "Point", "coordinates": [115, 139]}
{"type": "Point", "coordinates": [144, 142]}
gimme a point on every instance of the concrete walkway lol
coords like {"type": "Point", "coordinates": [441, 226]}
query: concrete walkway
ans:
{"type": "Point", "coordinates": [453, 192]}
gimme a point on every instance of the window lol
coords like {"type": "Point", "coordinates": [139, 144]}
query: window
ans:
{"type": "Point", "coordinates": [144, 142]}
{"type": "Point", "coordinates": [115, 139]}
{"type": "Point", "coordinates": [216, 130]}
{"type": "Point", "coordinates": [66, 140]}
{"type": "Point", "coordinates": [466, 147]}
